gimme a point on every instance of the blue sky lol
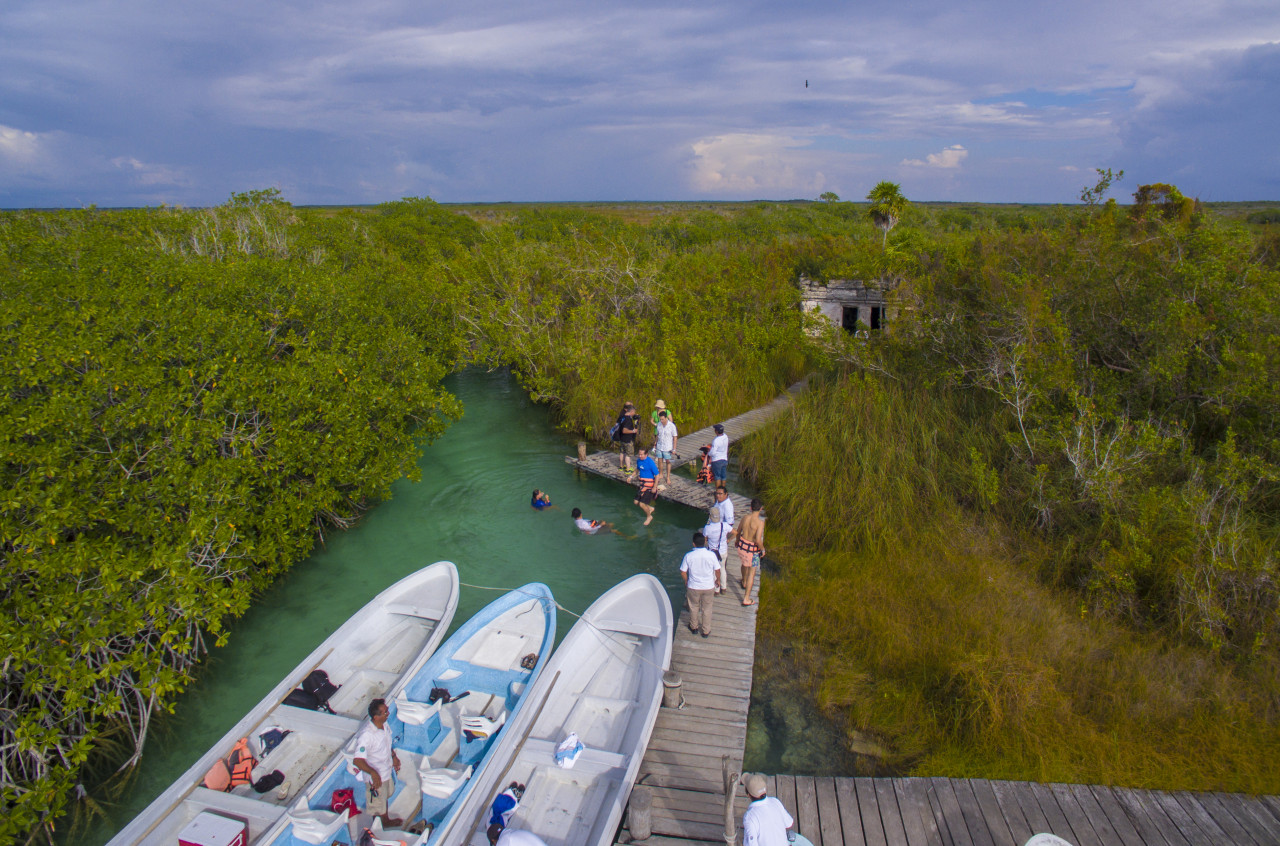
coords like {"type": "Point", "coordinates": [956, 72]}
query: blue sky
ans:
{"type": "Point", "coordinates": [141, 102]}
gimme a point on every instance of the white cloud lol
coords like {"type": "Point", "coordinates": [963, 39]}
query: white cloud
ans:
{"type": "Point", "coordinates": [19, 146]}
{"type": "Point", "coordinates": [949, 159]}
{"type": "Point", "coordinates": [756, 165]}
{"type": "Point", "coordinates": [152, 174]}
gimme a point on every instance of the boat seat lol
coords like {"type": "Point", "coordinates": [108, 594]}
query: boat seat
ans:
{"type": "Point", "coordinates": [318, 827]}
{"type": "Point", "coordinates": [445, 752]}
{"type": "Point", "coordinates": [412, 712]}
{"type": "Point", "coordinates": [443, 782]}
{"type": "Point", "coordinates": [482, 726]}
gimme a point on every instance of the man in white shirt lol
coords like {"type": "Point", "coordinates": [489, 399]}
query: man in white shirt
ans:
{"type": "Point", "coordinates": [725, 505]}
{"type": "Point", "coordinates": [377, 763]}
{"type": "Point", "coordinates": [664, 445]}
{"type": "Point", "coordinates": [700, 570]}
{"type": "Point", "coordinates": [719, 456]}
{"type": "Point", "coordinates": [717, 535]}
{"type": "Point", "coordinates": [766, 822]}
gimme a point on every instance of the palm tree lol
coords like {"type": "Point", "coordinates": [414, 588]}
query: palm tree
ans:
{"type": "Point", "coordinates": [887, 206]}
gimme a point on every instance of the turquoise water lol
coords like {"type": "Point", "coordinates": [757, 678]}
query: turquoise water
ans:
{"type": "Point", "coordinates": [472, 508]}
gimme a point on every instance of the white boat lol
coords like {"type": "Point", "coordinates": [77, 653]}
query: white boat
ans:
{"type": "Point", "coordinates": [604, 684]}
{"type": "Point", "coordinates": [486, 667]}
{"type": "Point", "coordinates": [366, 657]}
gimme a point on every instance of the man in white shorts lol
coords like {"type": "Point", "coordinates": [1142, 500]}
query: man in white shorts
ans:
{"type": "Point", "coordinates": [664, 445]}
{"type": "Point", "coordinates": [377, 763]}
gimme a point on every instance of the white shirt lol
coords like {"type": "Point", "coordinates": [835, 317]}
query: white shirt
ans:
{"type": "Point", "coordinates": [717, 535]}
{"type": "Point", "coordinates": [585, 525]}
{"type": "Point", "coordinates": [765, 823]}
{"type": "Point", "coordinates": [374, 745]}
{"type": "Point", "coordinates": [701, 565]}
{"type": "Point", "coordinates": [719, 448]}
{"type": "Point", "coordinates": [726, 511]}
{"type": "Point", "coordinates": [665, 436]}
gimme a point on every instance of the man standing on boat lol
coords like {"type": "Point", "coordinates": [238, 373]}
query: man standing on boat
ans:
{"type": "Point", "coordinates": [699, 571]}
{"type": "Point", "coordinates": [766, 822]}
{"type": "Point", "coordinates": [377, 763]}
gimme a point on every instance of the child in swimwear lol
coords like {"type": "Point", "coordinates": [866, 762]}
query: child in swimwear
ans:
{"type": "Point", "coordinates": [704, 474]}
{"type": "Point", "coordinates": [540, 500]}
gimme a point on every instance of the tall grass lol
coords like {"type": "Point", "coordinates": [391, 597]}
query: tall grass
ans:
{"type": "Point", "coordinates": [936, 636]}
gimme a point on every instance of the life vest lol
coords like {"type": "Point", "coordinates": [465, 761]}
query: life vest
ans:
{"type": "Point", "coordinates": [704, 475]}
{"type": "Point", "coordinates": [746, 546]}
{"type": "Point", "coordinates": [234, 769]}
{"type": "Point", "coordinates": [647, 484]}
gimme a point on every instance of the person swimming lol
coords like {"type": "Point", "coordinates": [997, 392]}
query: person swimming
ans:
{"type": "Point", "coordinates": [540, 500]}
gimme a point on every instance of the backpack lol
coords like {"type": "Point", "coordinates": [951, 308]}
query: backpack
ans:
{"type": "Point", "coordinates": [615, 434]}
{"type": "Point", "coordinates": [318, 685]}
{"type": "Point", "coordinates": [343, 799]}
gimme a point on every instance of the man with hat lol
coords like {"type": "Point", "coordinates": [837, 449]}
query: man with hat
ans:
{"type": "Point", "coordinates": [766, 822]}
{"type": "Point", "coordinates": [719, 456]}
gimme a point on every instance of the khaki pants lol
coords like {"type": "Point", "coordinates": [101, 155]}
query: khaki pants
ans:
{"type": "Point", "coordinates": [700, 604]}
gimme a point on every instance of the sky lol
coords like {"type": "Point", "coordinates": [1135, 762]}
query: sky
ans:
{"type": "Point", "coordinates": [143, 102]}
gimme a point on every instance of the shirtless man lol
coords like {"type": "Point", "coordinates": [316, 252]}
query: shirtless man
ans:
{"type": "Point", "coordinates": [750, 546]}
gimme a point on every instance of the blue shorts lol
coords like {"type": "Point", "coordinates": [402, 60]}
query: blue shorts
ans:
{"type": "Point", "coordinates": [664, 455]}
{"type": "Point", "coordinates": [720, 469]}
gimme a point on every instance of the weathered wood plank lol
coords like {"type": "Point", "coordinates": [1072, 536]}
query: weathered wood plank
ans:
{"type": "Point", "coordinates": [850, 814]}
{"type": "Point", "coordinates": [807, 822]}
{"type": "Point", "coordinates": [1117, 815]}
{"type": "Point", "coordinates": [869, 806]}
{"type": "Point", "coordinates": [1266, 822]}
{"type": "Point", "coordinates": [1195, 835]}
{"type": "Point", "coordinates": [917, 817]}
{"type": "Point", "coordinates": [951, 812]}
{"type": "Point", "coordinates": [1102, 827]}
{"type": "Point", "coordinates": [787, 794]}
{"type": "Point", "coordinates": [1149, 818]}
{"type": "Point", "coordinates": [1227, 819]}
{"type": "Point", "coordinates": [895, 833]}
{"type": "Point", "coordinates": [977, 825]}
{"type": "Point", "coordinates": [1202, 817]}
{"type": "Point", "coordinates": [1058, 822]}
{"type": "Point", "coordinates": [829, 811]}
{"type": "Point", "coordinates": [1031, 810]}
{"type": "Point", "coordinates": [1012, 811]}
{"type": "Point", "coordinates": [992, 814]}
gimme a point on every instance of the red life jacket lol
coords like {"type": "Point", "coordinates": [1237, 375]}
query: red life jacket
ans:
{"type": "Point", "coordinates": [236, 768]}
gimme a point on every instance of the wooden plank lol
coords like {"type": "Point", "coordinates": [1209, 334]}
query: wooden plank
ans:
{"type": "Point", "coordinates": [850, 813]}
{"type": "Point", "coordinates": [1076, 816]}
{"type": "Point", "coordinates": [895, 833]}
{"type": "Point", "coordinates": [787, 794]}
{"type": "Point", "coordinates": [1093, 812]}
{"type": "Point", "coordinates": [973, 818]}
{"type": "Point", "coordinates": [869, 807]}
{"type": "Point", "coordinates": [1185, 824]}
{"type": "Point", "coordinates": [1012, 811]}
{"type": "Point", "coordinates": [807, 809]}
{"type": "Point", "coordinates": [1117, 815]}
{"type": "Point", "coordinates": [1031, 810]}
{"type": "Point", "coordinates": [829, 811]}
{"type": "Point", "coordinates": [917, 817]}
{"type": "Point", "coordinates": [1266, 822]}
{"type": "Point", "coordinates": [992, 814]}
{"type": "Point", "coordinates": [949, 805]}
{"type": "Point", "coordinates": [1201, 816]}
{"type": "Point", "coordinates": [1151, 821]}
{"type": "Point", "coordinates": [1058, 822]}
{"type": "Point", "coordinates": [1226, 818]}
{"type": "Point", "coordinates": [1273, 805]}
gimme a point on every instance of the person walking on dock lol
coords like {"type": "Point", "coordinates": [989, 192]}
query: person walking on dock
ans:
{"type": "Point", "coordinates": [665, 438]}
{"type": "Point", "coordinates": [647, 471]}
{"type": "Point", "coordinates": [750, 546]}
{"type": "Point", "coordinates": [717, 535]}
{"type": "Point", "coordinates": [725, 505]}
{"type": "Point", "coordinates": [628, 428]}
{"type": "Point", "coordinates": [766, 821]}
{"type": "Point", "coordinates": [719, 455]}
{"type": "Point", "coordinates": [698, 569]}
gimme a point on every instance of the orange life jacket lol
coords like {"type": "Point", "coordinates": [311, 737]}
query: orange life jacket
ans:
{"type": "Point", "coordinates": [236, 768]}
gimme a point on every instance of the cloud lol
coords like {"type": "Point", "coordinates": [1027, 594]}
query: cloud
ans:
{"type": "Point", "coordinates": [948, 159]}
{"type": "Point", "coordinates": [19, 147]}
{"type": "Point", "coordinates": [754, 165]}
{"type": "Point", "coordinates": [152, 175]}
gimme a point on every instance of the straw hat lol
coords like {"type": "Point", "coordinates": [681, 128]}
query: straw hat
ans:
{"type": "Point", "coordinates": [660, 405]}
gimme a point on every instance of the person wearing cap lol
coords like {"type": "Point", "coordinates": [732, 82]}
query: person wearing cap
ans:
{"type": "Point", "coordinates": [717, 535]}
{"type": "Point", "coordinates": [719, 455]}
{"type": "Point", "coordinates": [665, 438]}
{"type": "Point", "coordinates": [766, 821]}
{"type": "Point", "coordinates": [658, 407]}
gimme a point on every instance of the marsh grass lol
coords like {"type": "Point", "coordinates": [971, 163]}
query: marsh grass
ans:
{"type": "Point", "coordinates": [935, 633]}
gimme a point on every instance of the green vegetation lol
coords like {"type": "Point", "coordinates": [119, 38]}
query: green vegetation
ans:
{"type": "Point", "coordinates": [1028, 532]}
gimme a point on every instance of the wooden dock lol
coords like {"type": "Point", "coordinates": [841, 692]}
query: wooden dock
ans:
{"type": "Point", "coordinates": [682, 489]}
{"type": "Point", "coordinates": [977, 812]}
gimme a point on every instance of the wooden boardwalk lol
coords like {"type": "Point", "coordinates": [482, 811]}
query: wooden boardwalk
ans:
{"type": "Point", "coordinates": [977, 812]}
{"type": "Point", "coordinates": [682, 489]}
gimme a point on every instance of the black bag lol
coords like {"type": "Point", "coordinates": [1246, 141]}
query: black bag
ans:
{"type": "Point", "coordinates": [271, 780]}
{"type": "Point", "coordinates": [318, 685]}
{"type": "Point", "coordinates": [271, 739]}
{"type": "Point", "coordinates": [615, 434]}
{"type": "Point", "coordinates": [299, 698]}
